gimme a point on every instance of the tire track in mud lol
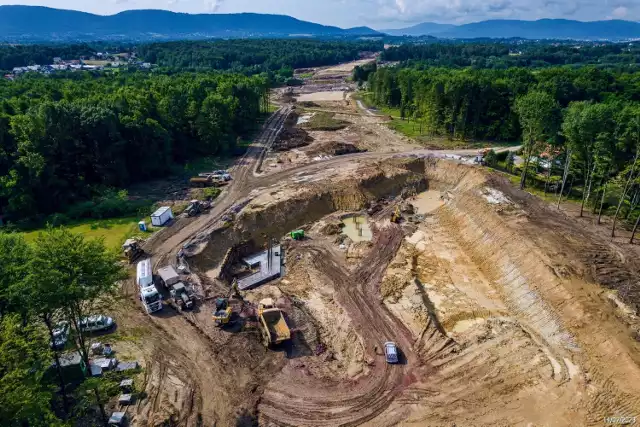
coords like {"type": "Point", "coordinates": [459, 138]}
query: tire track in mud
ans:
{"type": "Point", "coordinates": [359, 402]}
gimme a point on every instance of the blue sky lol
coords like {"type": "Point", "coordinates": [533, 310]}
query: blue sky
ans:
{"type": "Point", "coordinates": [378, 14]}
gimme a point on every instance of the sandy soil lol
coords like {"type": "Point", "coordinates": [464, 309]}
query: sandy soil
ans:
{"type": "Point", "coordinates": [342, 69]}
{"type": "Point", "coordinates": [497, 301]}
{"type": "Point", "coordinates": [322, 96]}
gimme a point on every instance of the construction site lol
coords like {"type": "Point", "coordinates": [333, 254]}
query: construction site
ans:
{"type": "Point", "coordinates": [337, 236]}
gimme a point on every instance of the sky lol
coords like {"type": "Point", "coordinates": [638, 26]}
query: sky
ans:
{"type": "Point", "coordinates": [379, 14]}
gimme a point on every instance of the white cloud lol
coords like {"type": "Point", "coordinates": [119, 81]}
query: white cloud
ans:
{"type": "Point", "coordinates": [620, 12]}
{"type": "Point", "coordinates": [212, 5]}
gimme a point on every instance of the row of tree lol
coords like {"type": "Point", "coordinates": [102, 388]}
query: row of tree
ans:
{"type": "Point", "coordinates": [61, 277]}
{"type": "Point", "coordinates": [598, 144]}
{"type": "Point", "coordinates": [253, 56]}
{"type": "Point", "coordinates": [586, 119]}
{"type": "Point", "coordinates": [478, 104]}
{"type": "Point", "coordinates": [64, 138]}
{"type": "Point", "coordinates": [503, 55]}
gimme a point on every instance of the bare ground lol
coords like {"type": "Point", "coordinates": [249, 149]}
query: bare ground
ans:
{"type": "Point", "coordinates": [506, 311]}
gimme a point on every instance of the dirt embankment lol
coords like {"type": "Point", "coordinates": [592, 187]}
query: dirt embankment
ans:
{"type": "Point", "coordinates": [275, 213]}
{"type": "Point", "coordinates": [494, 299]}
{"type": "Point", "coordinates": [533, 274]}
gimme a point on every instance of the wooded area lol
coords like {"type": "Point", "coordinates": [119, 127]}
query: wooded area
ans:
{"type": "Point", "coordinates": [60, 278]}
{"type": "Point", "coordinates": [277, 57]}
{"type": "Point", "coordinates": [582, 123]}
{"type": "Point", "coordinates": [66, 138]}
{"type": "Point", "coordinates": [503, 55]}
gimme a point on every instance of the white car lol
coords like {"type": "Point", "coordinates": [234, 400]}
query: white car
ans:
{"type": "Point", "coordinates": [60, 335]}
{"type": "Point", "coordinates": [96, 323]}
{"type": "Point", "coordinates": [391, 352]}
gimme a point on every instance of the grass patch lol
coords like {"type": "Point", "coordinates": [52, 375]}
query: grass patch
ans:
{"type": "Point", "coordinates": [304, 75]}
{"type": "Point", "coordinates": [114, 231]}
{"type": "Point", "coordinates": [325, 121]}
{"type": "Point", "coordinates": [208, 193]}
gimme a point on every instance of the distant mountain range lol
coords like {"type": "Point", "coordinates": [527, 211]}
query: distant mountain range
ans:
{"type": "Point", "coordinates": [35, 23]}
{"type": "Point", "coordinates": [541, 29]}
{"type": "Point", "coordinates": [424, 29]}
{"type": "Point", "coordinates": [42, 24]}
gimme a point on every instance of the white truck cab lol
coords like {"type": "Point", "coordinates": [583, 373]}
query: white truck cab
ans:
{"type": "Point", "coordinates": [149, 295]}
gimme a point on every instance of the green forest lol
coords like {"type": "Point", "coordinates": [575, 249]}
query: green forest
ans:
{"type": "Point", "coordinates": [253, 56]}
{"type": "Point", "coordinates": [66, 139]}
{"type": "Point", "coordinates": [48, 285]}
{"type": "Point", "coordinates": [503, 55]}
{"type": "Point", "coordinates": [579, 127]}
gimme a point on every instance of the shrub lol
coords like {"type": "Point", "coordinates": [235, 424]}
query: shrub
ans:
{"type": "Point", "coordinates": [502, 156]}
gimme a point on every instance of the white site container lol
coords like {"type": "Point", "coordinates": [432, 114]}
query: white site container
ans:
{"type": "Point", "coordinates": [169, 276]}
{"type": "Point", "coordinates": [161, 216]}
{"type": "Point", "coordinates": [144, 276]}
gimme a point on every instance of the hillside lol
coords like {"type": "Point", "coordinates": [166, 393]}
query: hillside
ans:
{"type": "Point", "coordinates": [541, 29]}
{"type": "Point", "coordinates": [426, 28]}
{"type": "Point", "coordinates": [34, 23]}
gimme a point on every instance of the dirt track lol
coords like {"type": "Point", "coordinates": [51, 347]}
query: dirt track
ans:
{"type": "Point", "coordinates": [494, 307]}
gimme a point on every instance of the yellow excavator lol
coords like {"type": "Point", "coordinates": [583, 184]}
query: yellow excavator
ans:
{"type": "Point", "coordinates": [222, 313]}
{"type": "Point", "coordinates": [396, 216]}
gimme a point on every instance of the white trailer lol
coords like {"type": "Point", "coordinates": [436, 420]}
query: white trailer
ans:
{"type": "Point", "coordinates": [149, 295]}
{"type": "Point", "coordinates": [144, 276]}
{"type": "Point", "coordinates": [161, 216]}
{"type": "Point", "coordinates": [169, 276]}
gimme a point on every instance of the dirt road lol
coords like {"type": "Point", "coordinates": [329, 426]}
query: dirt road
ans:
{"type": "Point", "coordinates": [198, 375]}
{"type": "Point", "coordinates": [292, 399]}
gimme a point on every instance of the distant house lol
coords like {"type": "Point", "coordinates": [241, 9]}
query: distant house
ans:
{"type": "Point", "coordinates": [146, 65]}
{"type": "Point", "coordinates": [57, 60]}
{"type": "Point", "coordinates": [8, 77]}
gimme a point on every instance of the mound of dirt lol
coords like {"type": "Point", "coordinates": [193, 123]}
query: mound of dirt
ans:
{"type": "Point", "coordinates": [336, 148]}
{"type": "Point", "coordinates": [331, 229]}
{"type": "Point", "coordinates": [292, 138]}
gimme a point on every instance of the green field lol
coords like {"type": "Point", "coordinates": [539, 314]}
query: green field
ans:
{"type": "Point", "coordinates": [114, 231]}
{"type": "Point", "coordinates": [325, 121]}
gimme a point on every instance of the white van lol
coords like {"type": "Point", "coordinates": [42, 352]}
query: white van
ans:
{"type": "Point", "coordinates": [144, 277]}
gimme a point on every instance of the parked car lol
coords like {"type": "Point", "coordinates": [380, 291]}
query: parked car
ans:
{"type": "Point", "coordinates": [391, 352]}
{"type": "Point", "coordinates": [96, 323]}
{"type": "Point", "coordinates": [60, 335]}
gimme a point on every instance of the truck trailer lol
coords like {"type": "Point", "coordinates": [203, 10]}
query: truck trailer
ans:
{"type": "Point", "coordinates": [149, 295]}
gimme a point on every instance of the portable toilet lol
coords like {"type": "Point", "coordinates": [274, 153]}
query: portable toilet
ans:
{"type": "Point", "coordinates": [142, 226]}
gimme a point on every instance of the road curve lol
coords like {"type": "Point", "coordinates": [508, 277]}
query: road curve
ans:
{"type": "Point", "coordinates": [293, 399]}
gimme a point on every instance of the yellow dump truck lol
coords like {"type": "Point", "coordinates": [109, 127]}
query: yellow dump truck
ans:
{"type": "Point", "coordinates": [273, 326]}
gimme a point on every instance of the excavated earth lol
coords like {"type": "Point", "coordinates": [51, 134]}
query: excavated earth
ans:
{"type": "Point", "coordinates": [505, 310]}
{"type": "Point", "coordinates": [492, 299]}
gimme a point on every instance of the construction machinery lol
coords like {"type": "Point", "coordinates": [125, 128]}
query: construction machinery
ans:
{"type": "Point", "coordinates": [396, 216]}
{"type": "Point", "coordinates": [273, 326]}
{"type": "Point", "coordinates": [132, 250]}
{"type": "Point", "coordinates": [208, 181]}
{"type": "Point", "coordinates": [222, 313]}
{"type": "Point", "coordinates": [297, 235]}
{"type": "Point", "coordinates": [196, 207]}
{"type": "Point", "coordinates": [182, 296]}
